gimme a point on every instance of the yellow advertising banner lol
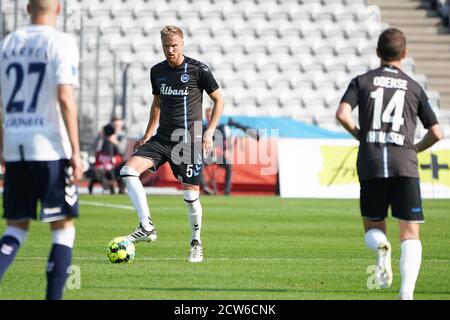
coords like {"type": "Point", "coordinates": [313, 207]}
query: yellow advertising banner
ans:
{"type": "Point", "coordinates": [339, 166]}
{"type": "Point", "coordinates": [326, 168]}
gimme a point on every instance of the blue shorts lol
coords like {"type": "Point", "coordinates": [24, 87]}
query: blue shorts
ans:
{"type": "Point", "coordinates": [26, 182]}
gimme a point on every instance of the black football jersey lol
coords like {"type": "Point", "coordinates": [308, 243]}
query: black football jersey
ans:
{"type": "Point", "coordinates": [181, 93]}
{"type": "Point", "coordinates": [389, 104]}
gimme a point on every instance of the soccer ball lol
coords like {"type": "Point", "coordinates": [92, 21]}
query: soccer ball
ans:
{"type": "Point", "coordinates": [120, 250]}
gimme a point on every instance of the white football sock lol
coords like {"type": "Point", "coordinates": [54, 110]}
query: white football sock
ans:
{"type": "Point", "coordinates": [373, 238]}
{"type": "Point", "coordinates": [192, 201]}
{"type": "Point", "coordinates": [65, 236]}
{"type": "Point", "coordinates": [410, 266]}
{"type": "Point", "coordinates": [20, 234]}
{"type": "Point", "coordinates": [137, 195]}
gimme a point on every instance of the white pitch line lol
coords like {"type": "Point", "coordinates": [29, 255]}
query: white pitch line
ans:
{"type": "Point", "coordinates": [118, 206]}
{"type": "Point", "coordinates": [130, 208]}
{"type": "Point", "coordinates": [106, 205]}
{"type": "Point", "coordinates": [220, 209]}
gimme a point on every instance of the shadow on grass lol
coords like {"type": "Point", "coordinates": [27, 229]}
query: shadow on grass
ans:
{"type": "Point", "coordinates": [255, 290]}
{"type": "Point", "coordinates": [262, 290]}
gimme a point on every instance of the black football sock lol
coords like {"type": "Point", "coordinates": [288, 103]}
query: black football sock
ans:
{"type": "Point", "coordinates": [58, 262]}
{"type": "Point", "coordinates": [8, 249]}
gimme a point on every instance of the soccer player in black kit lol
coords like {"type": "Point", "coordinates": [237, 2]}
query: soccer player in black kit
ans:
{"type": "Point", "coordinates": [178, 84]}
{"type": "Point", "coordinates": [389, 104]}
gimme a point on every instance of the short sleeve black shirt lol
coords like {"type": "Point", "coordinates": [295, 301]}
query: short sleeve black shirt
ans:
{"type": "Point", "coordinates": [389, 104]}
{"type": "Point", "coordinates": [181, 94]}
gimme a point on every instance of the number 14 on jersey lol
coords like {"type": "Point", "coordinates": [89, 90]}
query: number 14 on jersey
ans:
{"type": "Point", "coordinates": [393, 112]}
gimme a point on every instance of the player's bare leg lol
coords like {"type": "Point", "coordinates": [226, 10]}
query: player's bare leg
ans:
{"type": "Point", "coordinates": [191, 196]}
{"type": "Point", "coordinates": [130, 173]}
{"type": "Point", "coordinates": [60, 257]}
{"type": "Point", "coordinates": [14, 236]}
{"type": "Point", "coordinates": [410, 259]}
{"type": "Point", "coordinates": [376, 240]}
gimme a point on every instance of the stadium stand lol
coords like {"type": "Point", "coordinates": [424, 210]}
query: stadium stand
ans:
{"type": "Point", "coordinates": [291, 58]}
{"type": "Point", "coordinates": [443, 7]}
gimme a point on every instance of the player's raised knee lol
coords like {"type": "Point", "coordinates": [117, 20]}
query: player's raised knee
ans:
{"type": "Point", "coordinates": [127, 171]}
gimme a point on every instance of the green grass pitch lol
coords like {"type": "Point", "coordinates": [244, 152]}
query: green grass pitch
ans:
{"type": "Point", "coordinates": [254, 248]}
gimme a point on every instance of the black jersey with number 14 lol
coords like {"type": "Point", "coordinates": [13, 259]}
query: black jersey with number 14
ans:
{"type": "Point", "coordinates": [389, 103]}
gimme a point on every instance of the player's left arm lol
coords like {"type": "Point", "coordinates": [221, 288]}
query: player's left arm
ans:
{"type": "Point", "coordinates": [217, 98]}
{"type": "Point", "coordinates": [429, 120]}
{"type": "Point", "coordinates": [66, 60]}
{"type": "Point", "coordinates": [344, 116]}
{"type": "Point", "coordinates": [433, 135]}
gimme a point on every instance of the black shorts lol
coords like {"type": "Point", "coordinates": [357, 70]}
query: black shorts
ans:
{"type": "Point", "coordinates": [401, 193]}
{"type": "Point", "coordinates": [26, 182]}
{"type": "Point", "coordinates": [185, 159]}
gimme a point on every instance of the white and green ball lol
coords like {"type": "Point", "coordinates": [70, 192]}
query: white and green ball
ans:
{"type": "Point", "coordinates": [120, 250]}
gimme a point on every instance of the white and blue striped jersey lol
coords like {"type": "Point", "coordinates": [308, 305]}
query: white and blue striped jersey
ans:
{"type": "Point", "coordinates": [34, 61]}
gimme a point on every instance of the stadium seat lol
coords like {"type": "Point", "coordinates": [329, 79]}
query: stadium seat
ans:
{"type": "Point", "coordinates": [278, 84]}
{"type": "Point", "coordinates": [341, 81]}
{"type": "Point", "coordinates": [408, 65]}
{"type": "Point", "coordinates": [420, 78]}
{"type": "Point", "coordinates": [333, 64]}
{"type": "Point", "coordinates": [300, 82]}
{"type": "Point", "coordinates": [120, 9]}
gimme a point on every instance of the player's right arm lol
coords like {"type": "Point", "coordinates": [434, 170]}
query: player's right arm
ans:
{"type": "Point", "coordinates": [344, 111]}
{"type": "Point", "coordinates": [433, 135]}
{"type": "Point", "coordinates": [344, 116]}
{"type": "Point", "coordinates": [66, 98]}
{"type": "Point", "coordinates": [153, 121]}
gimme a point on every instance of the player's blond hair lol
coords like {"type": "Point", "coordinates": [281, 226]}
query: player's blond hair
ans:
{"type": "Point", "coordinates": [42, 5]}
{"type": "Point", "coordinates": [170, 31]}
